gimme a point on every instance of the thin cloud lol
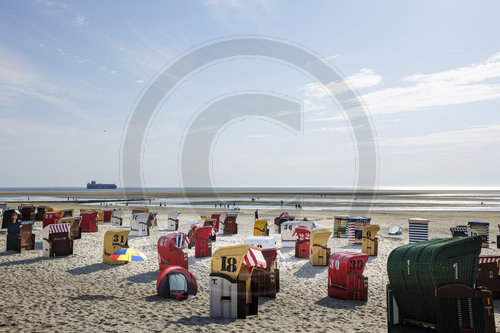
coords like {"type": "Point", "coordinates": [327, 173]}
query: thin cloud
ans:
{"type": "Point", "coordinates": [19, 79]}
{"type": "Point", "coordinates": [317, 97]}
{"type": "Point", "coordinates": [81, 20]}
{"type": "Point", "coordinates": [464, 138]}
{"type": "Point", "coordinates": [468, 84]}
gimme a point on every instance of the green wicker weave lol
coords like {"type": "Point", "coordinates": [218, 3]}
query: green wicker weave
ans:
{"type": "Point", "coordinates": [416, 270]}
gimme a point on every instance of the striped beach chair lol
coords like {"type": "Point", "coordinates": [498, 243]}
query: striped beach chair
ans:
{"type": "Point", "coordinates": [418, 229]}
{"type": "Point", "coordinates": [355, 226]}
{"type": "Point", "coordinates": [483, 229]}
{"type": "Point", "coordinates": [340, 226]}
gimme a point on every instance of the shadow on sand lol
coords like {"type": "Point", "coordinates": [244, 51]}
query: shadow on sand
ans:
{"type": "Point", "coordinates": [144, 277]}
{"type": "Point", "coordinates": [309, 271]}
{"type": "Point", "coordinates": [92, 268]}
{"type": "Point", "coordinates": [334, 303]}
{"type": "Point", "coordinates": [91, 298]}
{"type": "Point", "coordinates": [201, 321]}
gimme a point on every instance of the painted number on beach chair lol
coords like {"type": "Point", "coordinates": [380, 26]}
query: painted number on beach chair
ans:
{"type": "Point", "coordinates": [228, 264]}
{"type": "Point", "coordinates": [356, 264]}
{"type": "Point", "coordinates": [369, 234]}
{"type": "Point", "coordinates": [116, 238]}
{"type": "Point", "coordinates": [304, 237]}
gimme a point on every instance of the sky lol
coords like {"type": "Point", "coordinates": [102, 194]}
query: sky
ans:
{"type": "Point", "coordinates": [427, 73]}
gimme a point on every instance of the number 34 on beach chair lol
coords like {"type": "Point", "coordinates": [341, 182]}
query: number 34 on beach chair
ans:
{"type": "Point", "coordinates": [232, 294]}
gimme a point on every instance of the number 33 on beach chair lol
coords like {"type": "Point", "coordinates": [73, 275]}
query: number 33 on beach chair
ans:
{"type": "Point", "coordinates": [232, 294]}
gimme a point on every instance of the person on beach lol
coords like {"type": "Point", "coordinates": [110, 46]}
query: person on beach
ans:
{"type": "Point", "coordinates": [256, 214]}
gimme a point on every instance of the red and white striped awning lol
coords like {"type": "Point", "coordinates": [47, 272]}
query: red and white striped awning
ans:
{"type": "Point", "coordinates": [487, 260]}
{"type": "Point", "coordinates": [63, 227]}
{"type": "Point", "coordinates": [255, 258]}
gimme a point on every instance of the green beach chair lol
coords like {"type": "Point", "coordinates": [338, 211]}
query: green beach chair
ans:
{"type": "Point", "coordinates": [431, 287]}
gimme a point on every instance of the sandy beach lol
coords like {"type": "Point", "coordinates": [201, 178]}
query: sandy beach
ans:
{"type": "Point", "coordinates": [80, 293]}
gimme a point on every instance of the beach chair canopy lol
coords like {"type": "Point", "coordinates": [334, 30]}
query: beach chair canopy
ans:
{"type": "Point", "coordinates": [262, 242]}
{"type": "Point", "coordinates": [370, 231]}
{"type": "Point", "coordinates": [115, 239]}
{"type": "Point", "coordinates": [137, 210]}
{"type": "Point", "coordinates": [229, 260]}
{"type": "Point", "coordinates": [343, 264]}
{"type": "Point", "coordinates": [416, 270]}
{"type": "Point", "coordinates": [176, 282]}
{"type": "Point", "coordinates": [320, 236]}
{"type": "Point", "coordinates": [173, 214]}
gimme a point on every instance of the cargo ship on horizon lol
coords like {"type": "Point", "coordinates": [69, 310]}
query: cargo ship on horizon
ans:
{"type": "Point", "coordinates": [97, 186]}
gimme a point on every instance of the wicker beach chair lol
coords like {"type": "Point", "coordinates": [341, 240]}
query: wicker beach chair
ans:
{"type": "Point", "coordinates": [431, 287]}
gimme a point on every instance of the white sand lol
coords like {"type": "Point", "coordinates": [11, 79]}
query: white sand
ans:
{"type": "Point", "coordinates": [81, 293]}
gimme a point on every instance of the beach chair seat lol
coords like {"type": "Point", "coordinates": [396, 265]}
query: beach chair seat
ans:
{"type": "Point", "coordinates": [418, 230]}
{"type": "Point", "coordinates": [203, 241]}
{"type": "Point", "coordinates": [266, 280]}
{"type": "Point", "coordinates": [219, 219]}
{"type": "Point", "coordinates": [260, 228]}
{"type": "Point", "coordinates": [173, 221]}
{"type": "Point", "coordinates": [460, 231]}
{"type": "Point", "coordinates": [106, 215]}
{"type": "Point", "coordinates": [88, 221]}
{"type": "Point", "coordinates": [370, 240]}
{"type": "Point", "coordinates": [483, 229]}
{"type": "Point", "coordinates": [284, 217]}
{"type": "Point", "coordinates": [74, 222]}
{"type": "Point", "coordinates": [171, 250]}
{"type": "Point", "coordinates": [303, 242]}
{"type": "Point", "coordinates": [431, 285]}
{"type": "Point", "coordinates": [320, 253]}
{"type": "Point", "coordinates": [56, 240]}
{"type": "Point", "coordinates": [20, 237]}
{"type": "Point", "coordinates": [50, 218]}
{"type": "Point", "coordinates": [140, 224]}
{"type": "Point", "coordinates": [28, 213]}
{"type": "Point", "coordinates": [230, 225]}
{"type": "Point", "coordinates": [114, 240]}
{"type": "Point", "coordinates": [355, 226]}
{"type": "Point", "coordinates": [232, 293]}
{"type": "Point", "coordinates": [67, 212]}
{"type": "Point", "coordinates": [345, 276]}
{"type": "Point", "coordinates": [489, 274]}
{"type": "Point", "coordinates": [138, 210]}
{"type": "Point", "coordinates": [40, 210]}
{"type": "Point", "coordinates": [340, 226]}
{"type": "Point", "coordinates": [190, 235]}
{"type": "Point", "coordinates": [117, 218]}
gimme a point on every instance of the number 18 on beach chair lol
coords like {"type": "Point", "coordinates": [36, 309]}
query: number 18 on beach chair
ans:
{"type": "Point", "coordinates": [432, 288]}
{"type": "Point", "coordinates": [232, 294]}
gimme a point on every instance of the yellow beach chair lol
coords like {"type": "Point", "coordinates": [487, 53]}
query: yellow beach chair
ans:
{"type": "Point", "coordinates": [370, 240]}
{"type": "Point", "coordinates": [320, 254]}
{"type": "Point", "coordinates": [114, 240]}
{"type": "Point", "coordinates": [260, 228]}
